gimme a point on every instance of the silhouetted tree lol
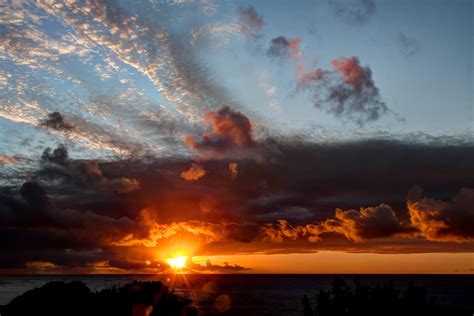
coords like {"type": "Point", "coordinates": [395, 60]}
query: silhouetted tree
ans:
{"type": "Point", "coordinates": [341, 297]}
{"type": "Point", "coordinates": [76, 299]}
{"type": "Point", "coordinates": [307, 309]}
{"type": "Point", "coordinates": [360, 299]}
{"type": "Point", "coordinates": [323, 306]}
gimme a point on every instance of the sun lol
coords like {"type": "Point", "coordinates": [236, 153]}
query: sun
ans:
{"type": "Point", "coordinates": [177, 263]}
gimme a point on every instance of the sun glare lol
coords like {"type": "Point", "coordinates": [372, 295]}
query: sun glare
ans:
{"type": "Point", "coordinates": [177, 263]}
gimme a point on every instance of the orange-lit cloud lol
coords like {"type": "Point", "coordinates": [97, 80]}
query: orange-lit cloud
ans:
{"type": "Point", "coordinates": [371, 222]}
{"type": "Point", "coordinates": [233, 170]}
{"type": "Point", "coordinates": [350, 69]}
{"type": "Point", "coordinates": [210, 267]}
{"type": "Point", "coordinates": [281, 231]}
{"type": "Point", "coordinates": [9, 160]}
{"type": "Point", "coordinates": [40, 265]}
{"type": "Point", "coordinates": [195, 172]}
{"type": "Point", "coordinates": [208, 204]}
{"type": "Point", "coordinates": [230, 131]}
{"type": "Point", "coordinates": [443, 221]}
{"type": "Point", "coordinates": [306, 78]}
{"type": "Point", "coordinates": [197, 232]}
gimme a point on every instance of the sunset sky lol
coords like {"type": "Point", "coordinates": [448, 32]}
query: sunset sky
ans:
{"type": "Point", "coordinates": [322, 136]}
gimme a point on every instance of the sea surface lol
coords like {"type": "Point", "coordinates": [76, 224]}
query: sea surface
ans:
{"type": "Point", "coordinates": [251, 294]}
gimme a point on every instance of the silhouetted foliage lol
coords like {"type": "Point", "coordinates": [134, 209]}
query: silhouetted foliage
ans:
{"type": "Point", "coordinates": [76, 299]}
{"type": "Point", "coordinates": [308, 310]}
{"type": "Point", "coordinates": [344, 299]}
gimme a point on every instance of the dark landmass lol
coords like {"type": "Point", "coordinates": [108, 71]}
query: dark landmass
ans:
{"type": "Point", "coordinates": [76, 299]}
{"type": "Point", "coordinates": [344, 299]}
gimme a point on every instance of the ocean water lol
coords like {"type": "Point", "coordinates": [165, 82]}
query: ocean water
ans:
{"type": "Point", "coordinates": [251, 294]}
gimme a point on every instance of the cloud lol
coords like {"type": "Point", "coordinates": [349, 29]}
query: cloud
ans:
{"type": "Point", "coordinates": [283, 205]}
{"type": "Point", "coordinates": [56, 121]}
{"type": "Point", "coordinates": [233, 169]}
{"type": "Point", "coordinates": [195, 172]}
{"type": "Point", "coordinates": [443, 221]}
{"type": "Point", "coordinates": [123, 263]}
{"type": "Point", "coordinates": [305, 79]}
{"type": "Point", "coordinates": [353, 12]}
{"type": "Point", "coordinates": [59, 155]}
{"type": "Point", "coordinates": [348, 91]}
{"type": "Point", "coordinates": [123, 185]}
{"type": "Point", "coordinates": [209, 266]}
{"type": "Point", "coordinates": [216, 35]}
{"type": "Point", "coordinates": [40, 265]}
{"type": "Point", "coordinates": [352, 72]}
{"type": "Point", "coordinates": [116, 43]}
{"type": "Point", "coordinates": [409, 46]}
{"type": "Point", "coordinates": [247, 25]}
{"type": "Point", "coordinates": [249, 20]}
{"type": "Point", "coordinates": [57, 165]}
{"type": "Point", "coordinates": [35, 210]}
{"type": "Point", "coordinates": [230, 133]}
{"type": "Point", "coordinates": [34, 194]}
{"type": "Point", "coordinates": [282, 47]}
{"type": "Point", "coordinates": [200, 232]}
{"type": "Point", "coordinates": [281, 231]}
{"type": "Point", "coordinates": [370, 222]}
{"type": "Point", "coordinates": [114, 211]}
{"type": "Point", "coordinates": [5, 159]}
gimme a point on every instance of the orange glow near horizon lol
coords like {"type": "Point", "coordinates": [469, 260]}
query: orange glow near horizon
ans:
{"type": "Point", "coordinates": [338, 262]}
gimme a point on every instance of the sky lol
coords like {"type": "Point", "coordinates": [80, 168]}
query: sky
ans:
{"type": "Point", "coordinates": [322, 136]}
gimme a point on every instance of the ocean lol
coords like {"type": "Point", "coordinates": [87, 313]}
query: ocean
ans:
{"type": "Point", "coordinates": [252, 294]}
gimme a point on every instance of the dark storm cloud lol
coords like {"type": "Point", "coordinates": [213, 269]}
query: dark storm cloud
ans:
{"type": "Point", "coordinates": [26, 207]}
{"type": "Point", "coordinates": [284, 203]}
{"type": "Point", "coordinates": [304, 182]}
{"type": "Point", "coordinates": [34, 208]}
{"type": "Point", "coordinates": [33, 228]}
{"type": "Point", "coordinates": [354, 12]}
{"type": "Point", "coordinates": [55, 120]}
{"type": "Point", "coordinates": [348, 91]}
{"type": "Point", "coordinates": [34, 194]}
{"type": "Point", "coordinates": [58, 166]}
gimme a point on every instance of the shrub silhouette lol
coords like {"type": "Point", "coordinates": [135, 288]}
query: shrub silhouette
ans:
{"type": "Point", "coordinates": [343, 299]}
{"type": "Point", "coordinates": [76, 299]}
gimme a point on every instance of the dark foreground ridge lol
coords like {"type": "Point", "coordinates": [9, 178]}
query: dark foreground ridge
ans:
{"type": "Point", "coordinates": [343, 298]}
{"type": "Point", "coordinates": [76, 299]}
{"type": "Point", "coordinates": [359, 299]}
